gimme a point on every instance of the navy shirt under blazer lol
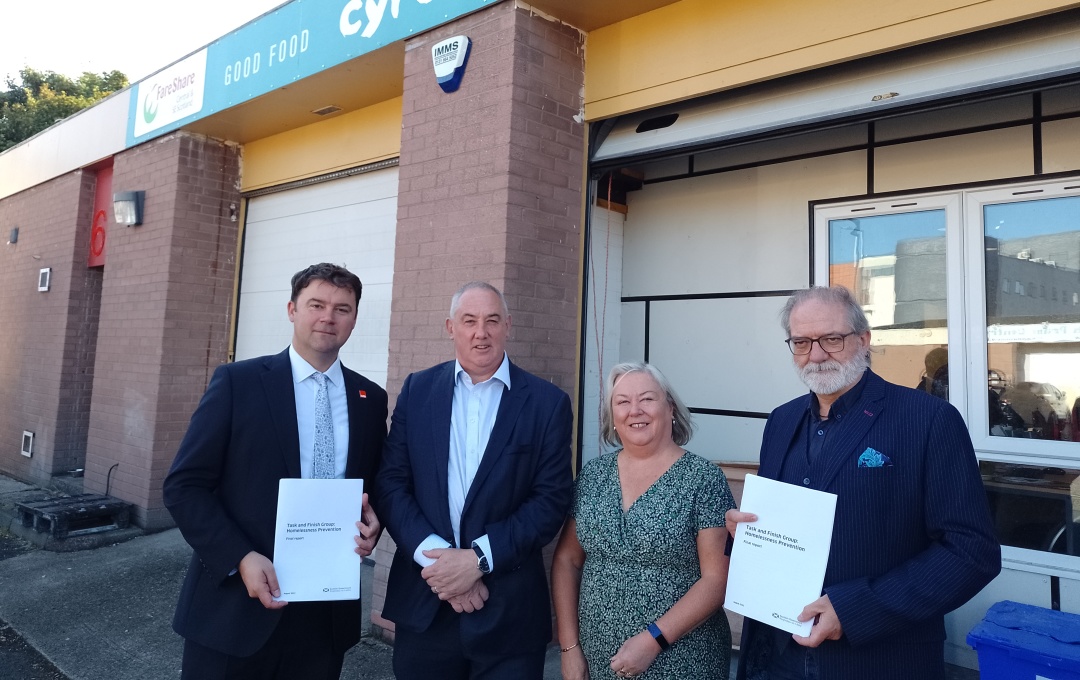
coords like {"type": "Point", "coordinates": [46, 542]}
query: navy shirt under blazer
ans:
{"type": "Point", "coordinates": [912, 538]}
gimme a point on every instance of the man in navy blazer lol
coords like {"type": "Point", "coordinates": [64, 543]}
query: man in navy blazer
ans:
{"type": "Point", "coordinates": [912, 538]}
{"type": "Point", "coordinates": [476, 480]}
{"type": "Point", "coordinates": [254, 427]}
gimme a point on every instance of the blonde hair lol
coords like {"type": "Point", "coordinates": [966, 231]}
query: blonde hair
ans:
{"type": "Point", "coordinates": [682, 427]}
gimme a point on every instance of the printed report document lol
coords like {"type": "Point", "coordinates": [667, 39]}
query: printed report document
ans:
{"type": "Point", "coordinates": [313, 541]}
{"type": "Point", "coordinates": [778, 562]}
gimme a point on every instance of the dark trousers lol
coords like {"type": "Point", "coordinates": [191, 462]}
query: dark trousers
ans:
{"type": "Point", "coordinates": [794, 663]}
{"type": "Point", "coordinates": [770, 654]}
{"type": "Point", "coordinates": [438, 652]}
{"type": "Point", "coordinates": [301, 646]}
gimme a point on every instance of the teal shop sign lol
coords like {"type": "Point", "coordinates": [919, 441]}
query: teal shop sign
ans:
{"type": "Point", "coordinates": [294, 41]}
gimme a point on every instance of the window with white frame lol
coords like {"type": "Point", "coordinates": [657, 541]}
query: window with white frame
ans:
{"type": "Point", "coordinates": [961, 289]}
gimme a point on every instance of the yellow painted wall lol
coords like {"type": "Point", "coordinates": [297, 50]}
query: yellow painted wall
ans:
{"type": "Point", "coordinates": [365, 136]}
{"type": "Point", "coordinates": [697, 47]}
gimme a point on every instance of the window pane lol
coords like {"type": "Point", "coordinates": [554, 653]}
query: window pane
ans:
{"type": "Point", "coordinates": [1033, 328]}
{"type": "Point", "coordinates": [895, 266]}
{"type": "Point", "coordinates": [1033, 507]}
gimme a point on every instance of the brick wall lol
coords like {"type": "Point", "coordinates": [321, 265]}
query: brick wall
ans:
{"type": "Point", "coordinates": [164, 322]}
{"type": "Point", "coordinates": [490, 183]}
{"type": "Point", "coordinates": [43, 369]}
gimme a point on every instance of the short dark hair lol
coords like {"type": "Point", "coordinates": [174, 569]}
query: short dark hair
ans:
{"type": "Point", "coordinates": [333, 274]}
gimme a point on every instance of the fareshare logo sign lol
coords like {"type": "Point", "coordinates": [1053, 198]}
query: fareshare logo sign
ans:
{"type": "Point", "coordinates": [172, 94]}
{"type": "Point", "coordinates": [290, 42]}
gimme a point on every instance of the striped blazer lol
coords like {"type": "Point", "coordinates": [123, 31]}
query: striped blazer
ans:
{"type": "Point", "coordinates": [912, 538]}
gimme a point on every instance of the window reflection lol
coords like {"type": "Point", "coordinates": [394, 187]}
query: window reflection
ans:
{"type": "Point", "coordinates": [895, 266]}
{"type": "Point", "coordinates": [1034, 507]}
{"type": "Point", "coordinates": [1033, 326]}
{"type": "Point", "coordinates": [935, 377]}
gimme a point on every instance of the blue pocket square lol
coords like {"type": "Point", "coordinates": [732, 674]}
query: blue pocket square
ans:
{"type": "Point", "coordinates": [871, 458]}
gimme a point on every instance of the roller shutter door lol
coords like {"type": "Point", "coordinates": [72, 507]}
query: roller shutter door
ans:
{"type": "Point", "coordinates": [349, 221]}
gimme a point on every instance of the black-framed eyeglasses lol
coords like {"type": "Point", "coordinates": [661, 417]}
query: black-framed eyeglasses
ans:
{"type": "Point", "coordinates": [832, 343]}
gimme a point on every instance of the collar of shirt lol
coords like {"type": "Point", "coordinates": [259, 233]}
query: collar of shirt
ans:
{"type": "Point", "coordinates": [842, 405]}
{"type": "Point", "coordinates": [502, 374]}
{"type": "Point", "coordinates": [474, 410]}
{"type": "Point", "coordinates": [304, 400]}
{"type": "Point", "coordinates": [302, 370]}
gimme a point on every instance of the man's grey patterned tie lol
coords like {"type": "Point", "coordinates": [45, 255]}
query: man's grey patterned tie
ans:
{"type": "Point", "coordinates": [324, 430]}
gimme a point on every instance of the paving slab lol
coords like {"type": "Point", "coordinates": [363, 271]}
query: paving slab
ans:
{"type": "Point", "coordinates": [102, 613]}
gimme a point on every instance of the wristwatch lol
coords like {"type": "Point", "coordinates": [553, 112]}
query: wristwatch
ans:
{"type": "Point", "coordinates": [481, 560]}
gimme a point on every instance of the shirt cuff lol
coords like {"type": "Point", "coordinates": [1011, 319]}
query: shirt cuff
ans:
{"type": "Point", "coordinates": [432, 542]}
{"type": "Point", "coordinates": [484, 543]}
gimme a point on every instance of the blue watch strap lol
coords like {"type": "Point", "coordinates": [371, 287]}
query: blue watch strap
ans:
{"type": "Point", "coordinates": [658, 635]}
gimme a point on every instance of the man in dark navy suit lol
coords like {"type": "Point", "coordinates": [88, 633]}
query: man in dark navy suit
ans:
{"type": "Point", "coordinates": [476, 480]}
{"type": "Point", "coordinates": [912, 538]}
{"type": "Point", "coordinates": [296, 414]}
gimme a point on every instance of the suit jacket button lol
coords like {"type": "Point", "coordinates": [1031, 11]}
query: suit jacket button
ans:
{"type": "Point", "coordinates": [806, 481]}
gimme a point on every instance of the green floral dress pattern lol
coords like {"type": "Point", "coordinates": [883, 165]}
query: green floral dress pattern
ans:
{"type": "Point", "coordinates": [639, 563]}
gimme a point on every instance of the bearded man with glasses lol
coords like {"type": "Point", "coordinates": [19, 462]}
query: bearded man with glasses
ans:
{"type": "Point", "coordinates": [912, 538]}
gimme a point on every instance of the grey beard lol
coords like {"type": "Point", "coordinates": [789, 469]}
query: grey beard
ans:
{"type": "Point", "coordinates": [829, 377]}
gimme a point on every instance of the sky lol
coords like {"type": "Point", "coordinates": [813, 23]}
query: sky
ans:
{"type": "Point", "coordinates": [1009, 220]}
{"type": "Point", "coordinates": [136, 37]}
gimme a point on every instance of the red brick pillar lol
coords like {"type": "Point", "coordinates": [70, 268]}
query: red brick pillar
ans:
{"type": "Point", "coordinates": [164, 323]}
{"type": "Point", "coordinates": [490, 188]}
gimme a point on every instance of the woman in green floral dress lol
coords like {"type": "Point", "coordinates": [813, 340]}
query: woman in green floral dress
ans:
{"type": "Point", "coordinates": [639, 573]}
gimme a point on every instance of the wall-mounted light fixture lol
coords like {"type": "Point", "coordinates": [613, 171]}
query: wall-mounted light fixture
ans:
{"type": "Point", "coordinates": [27, 443]}
{"type": "Point", "coordinates": [44, 280]}
{"type": "Point", "coordinates": [128, 207]}
{"type": "Point", "coordinates": [13, 237]}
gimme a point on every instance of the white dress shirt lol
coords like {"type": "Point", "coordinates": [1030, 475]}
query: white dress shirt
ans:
{"type": "Point", "coordinates": [304, 387]}
{"type": "Point", "coordinates": [472, 418]}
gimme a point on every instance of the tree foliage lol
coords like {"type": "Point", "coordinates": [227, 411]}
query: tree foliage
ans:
{"type": "Point", "coordinates": [43, 98]}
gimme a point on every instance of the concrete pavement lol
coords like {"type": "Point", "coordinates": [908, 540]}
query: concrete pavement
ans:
{"type": "Point", "coordinates": [105, 613]}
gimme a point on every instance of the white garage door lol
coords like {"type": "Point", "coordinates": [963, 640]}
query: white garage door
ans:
{"type": "Point", "coordinates": [350, 222]}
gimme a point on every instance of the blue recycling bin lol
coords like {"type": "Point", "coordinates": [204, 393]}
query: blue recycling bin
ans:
{"type": "Point", "coordinates": [1021, 642]}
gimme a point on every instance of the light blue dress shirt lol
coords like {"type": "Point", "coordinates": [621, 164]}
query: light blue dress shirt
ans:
{"type": "Point", "coordinates": [472, 418]}
{"type": "Point", "coordinates": [304, 387]}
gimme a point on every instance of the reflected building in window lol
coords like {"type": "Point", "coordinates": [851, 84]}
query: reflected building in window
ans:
{"type": "Point", "coordinates": [1028, 250]}
{"type": "Point", "coordinates": [1033, 323]}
